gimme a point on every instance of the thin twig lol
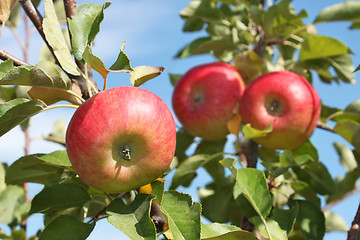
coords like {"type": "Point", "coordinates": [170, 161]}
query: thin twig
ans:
{"type": "Point", "coordinates": [17, 62]}
{"type": "Point", "coordinates": [70, 5]}
{"type": "Point", "coordinates": [323, 127]}
{"type": "Point", "coordinates": [349, 194]}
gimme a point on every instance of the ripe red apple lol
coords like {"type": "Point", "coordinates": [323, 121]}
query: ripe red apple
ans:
{"type": "Point", "coordinates": [206, 98]}
{"type": "Point", "coordinates": [285, 100]}
{"type": "Point", "coordinates": [121, 139]}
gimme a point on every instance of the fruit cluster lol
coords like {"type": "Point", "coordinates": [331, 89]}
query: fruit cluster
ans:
{"type": "Point", "coordinates": [125, 137]}
{"type": "Point", "coordinates": [208, 96]}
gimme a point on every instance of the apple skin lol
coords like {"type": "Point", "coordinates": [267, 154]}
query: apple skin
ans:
{"type": "Point", "coordinates": [285, 100]}
{"type": "Point", "coordinates": [114, 124]}
{"type": "Point", "coordinates": [206, 97]}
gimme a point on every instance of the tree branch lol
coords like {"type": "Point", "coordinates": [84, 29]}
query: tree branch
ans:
{"type": "Point", "coordinates": [249, 149]}
{"type": "Point", "coordinates": [5, 56]}
{"type": "Point", "coordinates": [323, 127]}
{"type": "Point", "coordinates": [70, 5]}
{"type": "Point", "coordinates": [355, 225]}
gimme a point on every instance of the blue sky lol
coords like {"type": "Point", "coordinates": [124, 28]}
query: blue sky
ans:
{"type": "Point", "coordinates": [152, 31]}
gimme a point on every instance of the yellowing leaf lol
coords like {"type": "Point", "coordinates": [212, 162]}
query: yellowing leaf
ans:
{"type": "Point", "coordinates": [250, 132]}
{"type": "Point", "coordinates": [233, 125]}
{"type": "Point", "coordinates": [56, 40]}
{"type": "Point", "coordinates": [53, 95]}
{"type": "Point", "coordinates": [141, 74]}
{"type": "Point", "coordinates": [249, 64]}
{"type": "Point", "coordinates": [5, 9]}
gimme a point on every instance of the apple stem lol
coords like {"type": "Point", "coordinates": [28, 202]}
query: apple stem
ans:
{"type": "Point", "coordinates": [126, 152]}
{"type": "Point", "coordinates": [274, 107]}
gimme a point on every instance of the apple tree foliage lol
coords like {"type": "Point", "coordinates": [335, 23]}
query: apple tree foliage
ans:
{"type": "Point", "coordinates": [255, 192]}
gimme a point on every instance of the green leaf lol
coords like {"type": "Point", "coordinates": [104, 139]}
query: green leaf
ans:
{"type": "Point", "coordinates": [269, 226]}
{"type": "Point", "coordinates": [57, 197]}
{"type": "Point", "coordinates": [4, 236]}
{"type": "Point", "coordinates": [334, 222]}
{"type": "Point", "coordinates": [249, 64]}
{"type": "Point", "coordinates": [343, 185]}
{"type": "Point", "coordinates": [347, 158]}
{"type": "Point", "coordinates": [305, 190]}
{"type": "Point", "coordinates": [186, 171]}
{"type": "Point", "coordinates": [18, 234]}
{"type": "Point", "coordinates": [317, 176]}
{"type": "Point", "coordinates": [311, 220]}
{"type": "Point", "coordinates": [345, 11]}
{"type": "Point", "coordinates": [7, 93]}
{"type": "Point", "coordinates": [358, 68]}
{"type": "Point", "coordinates": [354, 107]}
{"type": "Point", "coordinates": [182, 214]}
{"type": "Point", "coordinates": [174, 78]}
{"type": "Point", "coordinates": [16, 111]}
{"type": "Point", "coordinates": [5, 67]}
{"type": "Point", "coordinates": [60, 11]}
{"type": "Point", "coordinates": [252, 184]}
{"type": "Point", "coordinates": [67, 227]}
{"type": "Point", "coordinates": [281, 20]}
{"type": "Point", "coordinates": [2, 177]}
{"type": "Point", "coordinates": [122, 63]}
{"type": "Point", "coordinates": [33, 169]}
{"type": "Point", "coordinates": [133, 219]}
{"type": "Point", "coordinates": [142, 74]}
{"type": "Point", "coordinates": [344, 67]}
{"type": "Point", "coordinates": [250, 132]}
{"type": "Point", "coordinates": [47, 74]}
{"type": "Point", "coordinates": [95, 62]}
{"type": "Point", "coordinates": [58, 158]}
{"type": "Point", "coordinates": [183, 141]}
{"type": "Point", "coordinates": [158, 190]}
{"type": "Point", "coordinates": [53, 95]}
{"type": "Point", "coordinates": [85, 25]}
{"type": "Point", "coordinates": [351, 112]}
{"type": "Point", "coordinates": [220, 192]}
{"type": "Point", "coordinates": [316, 46]}
{"type": "Point", "coordinates": [213, 167]}
{"type": "Point", "coordinates": [56, 40]}
{"type": "Point", "coordinates": [43, 74]}
{"type": "Point", "coordinates": [214, 45]}
{"type": "Point", "coordinates": [13, 205]}
{"type": "Point", "coordinates": [230, 164]}
{"type": "Point", "coordinates": [286, 218]}
{"type": "Point", "coordinates": [307, 152]}
{"type": "Point", "coordinates": [58, 134]}
{"type": "Point", "coordinates": [78, 212]}
{"type": "Point", "coordinates": [350, 131]}
{"type": "Point", "coordinates": [217, 231]}
{"type": "Point", "coordinates": [204, 10]}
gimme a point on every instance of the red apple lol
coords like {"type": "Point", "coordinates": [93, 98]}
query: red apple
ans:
{"type": "Point", "coordinates": [206, 98]}
{"type": "Point", "coordinates": [285, 100]}
{"type": "Point", "coordinates": [121, 139]}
